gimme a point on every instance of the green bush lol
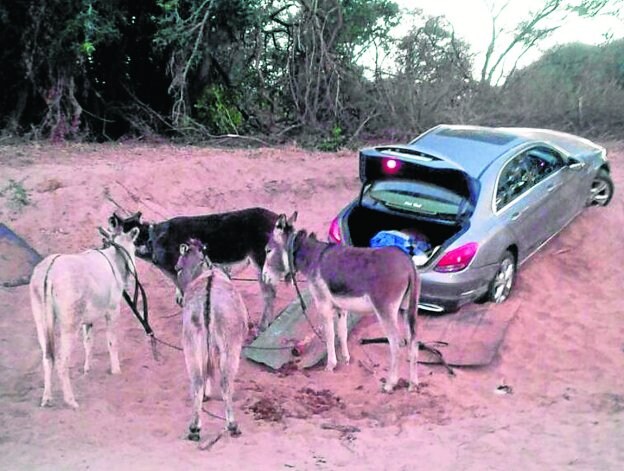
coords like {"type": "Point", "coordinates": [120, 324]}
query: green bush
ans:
{"type": "Point", "coordinates": [217, 110]}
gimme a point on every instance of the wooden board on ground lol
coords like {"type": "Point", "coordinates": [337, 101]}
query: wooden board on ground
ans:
{"type": "Point", "coordinates": [471, 337]}
{"type": "Point", "coordinates": [17, 258]}
{"type": "Point", "coordinates": [290, 339]}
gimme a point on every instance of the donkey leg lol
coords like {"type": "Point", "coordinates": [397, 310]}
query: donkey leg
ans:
{"type": "Point", "coordinates": [268, 295]}
{"type": "Point", "coordinates": [342, 335]}
{"type": "Point", "coordinates": [111, 341]}
{"type": "Point", "coordinates": [389, 323]}
{"type": "Point", "coordinates": [197, 396]}
{"type": "Point", "coordinates": [195, 347]}
{"type": "Point", "coordinates": [327, 314]}
{"type": "Point", "coordinates": [412, 341]}
{"type": "Point", "coordinates": [48, 364]}
{"type": "Point", "coordinates": [228, 366]}
{"type": "Point", "coordinates": [87, 340]}
{"type": "Point", "coordinates": [63, 367]}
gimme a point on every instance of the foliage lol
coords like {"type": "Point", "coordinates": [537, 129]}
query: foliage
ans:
{"type": "Point", "coordinates": [334, 142]}
{"type": "Point", "coordinates": [218, 111]}
{"type": "Point", "coordinates": [323, 70]}
{"type": "Point", "coordinates": [17, 194]}
{"type": "Point", "coordinates": [580, 87]}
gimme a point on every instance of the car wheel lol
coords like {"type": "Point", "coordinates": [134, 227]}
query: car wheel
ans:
{"type": "Point", "coordinates": [501, 285]}
{"type": "Point", "coordinates": [601, 190]}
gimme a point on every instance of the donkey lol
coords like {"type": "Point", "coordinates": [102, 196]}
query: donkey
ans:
{"type": "Point", "coordinates": [341, 278]}
{"type": "Point", "coordinates": [73, 291]}
{"type": "Point", "coordinates": [214, 326]}
{"type": "Point", "coordinates": [231, 237]}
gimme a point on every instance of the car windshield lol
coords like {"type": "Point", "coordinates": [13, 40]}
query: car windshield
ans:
{"type": "Point", "coordinates": [418, 197]}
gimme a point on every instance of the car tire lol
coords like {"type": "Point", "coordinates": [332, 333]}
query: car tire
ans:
{"type": "Point", "coordinates": [503, 282]}
{"type": "Point", "coordinates": [601, 190]}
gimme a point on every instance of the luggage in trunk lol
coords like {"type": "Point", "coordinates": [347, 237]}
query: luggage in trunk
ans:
{"type": "Point", "coordinates": [365, 224]}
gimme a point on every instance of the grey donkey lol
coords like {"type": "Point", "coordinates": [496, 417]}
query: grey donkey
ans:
{"type": "Point", "coordinates": [341, 278]}
{"type": "Point", "coordinates": [214, 326]}
{"type": "Point", "coordinates": [73, 291]}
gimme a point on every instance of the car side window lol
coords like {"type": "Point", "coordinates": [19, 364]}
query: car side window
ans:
{"type": "Point", "coordinates": [543, 162]}
{"type": "Point", "coordinates": [515, 179]}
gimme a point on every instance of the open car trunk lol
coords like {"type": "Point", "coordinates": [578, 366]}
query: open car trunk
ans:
{"type": "Point", "coordinates": [364, 223]}
{"type": "Point", "coordinates": [414, 196]}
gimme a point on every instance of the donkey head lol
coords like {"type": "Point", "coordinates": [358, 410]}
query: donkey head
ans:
{"type": "Point", "coordinates": [191, 262]}
{"type": "Point", "coordinates": [276, 263]}
{"type": "Point", "coordinates": [126, 240]}
{"type": "Point", "coordinates": [117, 224]}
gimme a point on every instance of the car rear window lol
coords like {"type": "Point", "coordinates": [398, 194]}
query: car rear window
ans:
{"type": "Point", "coordinates": [498, 138]}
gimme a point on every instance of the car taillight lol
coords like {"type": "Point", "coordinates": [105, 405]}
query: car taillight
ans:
{"type": "Point", "coordinates": [457, 259]}
{"type": "Point", "coordinates": [391, 166]}
{"type": "Point", "coordinates": [334, 231]}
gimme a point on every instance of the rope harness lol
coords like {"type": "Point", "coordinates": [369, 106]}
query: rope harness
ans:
{"type": "Point", "coordinates": [292, 270]}
{"type": "Point", "coordinates": [138, 289]}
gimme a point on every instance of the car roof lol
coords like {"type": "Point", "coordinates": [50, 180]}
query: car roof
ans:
{"type": "Point", "coordinates": [474, 148]}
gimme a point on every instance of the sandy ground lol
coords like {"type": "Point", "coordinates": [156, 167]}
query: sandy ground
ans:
{"type": "Point", "coordinates": [563, 354]}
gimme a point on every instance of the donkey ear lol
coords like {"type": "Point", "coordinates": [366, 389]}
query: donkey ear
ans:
{"type": "Point", "coordinates": [183, 249]}
{"type": "Point", "coordinates": [281, 222]}
{"type": "Point", "coordinates": [292, 218]}
{"type": "Point", "coordinates": [138, 215]}
{"type": "Point", "coordinates": [134, 233]}
{"type": "Point", "coordinates": [206, 257]}
{"type": "Point", "coordinates": [105, 233]}
{"type": "Point", "coordinates": [113, 221]}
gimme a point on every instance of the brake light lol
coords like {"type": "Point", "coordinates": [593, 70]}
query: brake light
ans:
{"type": "Point", "coordinates": [457, 259]}
{"type": "Point", "coordinates": [334, 231]}
{"type": "Point", "coordinates": [391, 166]}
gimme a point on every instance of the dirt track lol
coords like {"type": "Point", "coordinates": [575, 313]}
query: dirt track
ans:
{"type": "Point", "coordinates": [563, 354]}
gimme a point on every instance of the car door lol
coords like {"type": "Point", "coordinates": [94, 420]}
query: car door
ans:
{"type": "Point", "coordinates": [520, 207]}
{"type": "Point", "coordinates": [555, 181]}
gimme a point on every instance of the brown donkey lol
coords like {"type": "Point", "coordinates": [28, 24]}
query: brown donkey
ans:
{"type": "Point", "coordinates": [341, 278]}
{"type": "Point", "coordinates": [214, 326]}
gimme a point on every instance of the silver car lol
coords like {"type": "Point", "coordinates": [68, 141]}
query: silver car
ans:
{"type": "Point", "coordinates": [471, 204]}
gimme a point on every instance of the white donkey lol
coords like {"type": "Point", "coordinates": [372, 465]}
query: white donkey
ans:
{"type": "Point", "coordinates": [73, 291]}
{"type": "Point", "coordinates": [214, 326]}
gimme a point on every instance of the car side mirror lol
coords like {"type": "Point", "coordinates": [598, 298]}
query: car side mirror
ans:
{"type": "Point", "coordinates": [574, 164]}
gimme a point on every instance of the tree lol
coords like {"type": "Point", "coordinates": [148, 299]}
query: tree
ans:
{"type": "Point", "coordinates": [511, 44]}
{"type": "Point", "coordinates": [432, 79]}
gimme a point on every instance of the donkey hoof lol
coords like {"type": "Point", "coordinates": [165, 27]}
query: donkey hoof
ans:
{"type": "Point", "coordinates": [193, 434]}
{"type": "Point", "coordinates": [331, 366]}
{"type": "Point", "coordinates": [234, 430]}
{"type": "Point", "coordinates": [387, 388]}
{"type": "Point", "coordinates": [413, 387]}
{"type": "Point", "coordinates": [116, 371]}
{"type": "Point", "coordinates": [72, 403]}
{"type": "Point", "coordinates": [46, 402]}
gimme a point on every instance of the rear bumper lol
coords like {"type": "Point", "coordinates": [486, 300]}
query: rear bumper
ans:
{"type": "Point", "coordinates": [442, 292]}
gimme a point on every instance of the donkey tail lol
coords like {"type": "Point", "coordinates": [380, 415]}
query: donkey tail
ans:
{"type": "Point", "coordinates": [42, 301]}
{"type": "Point", "coordinates": [413, 293]}
{"type": "Point", "coordinates": [411, 319]}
